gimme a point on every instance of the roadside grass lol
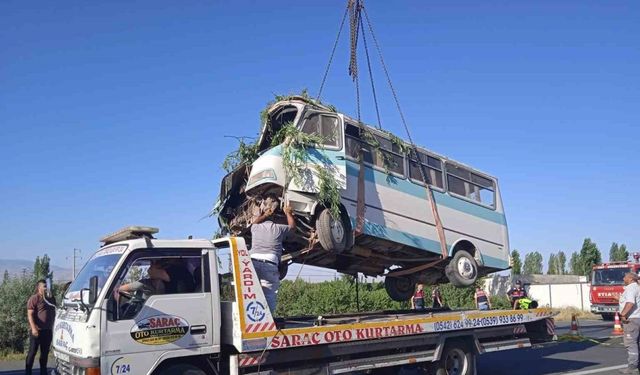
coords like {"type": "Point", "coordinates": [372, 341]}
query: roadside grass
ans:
{"type": "Point", "coordinates": [565, 314]}
{"type": "Point", "coordinates": [9, 355]}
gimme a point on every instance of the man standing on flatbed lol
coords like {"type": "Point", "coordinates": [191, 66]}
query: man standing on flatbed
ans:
{"type": "Point", "coordinates": [266, 249]}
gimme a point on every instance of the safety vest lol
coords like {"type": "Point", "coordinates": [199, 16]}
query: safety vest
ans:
{"type": "Point", "coordinates": [481, 296]}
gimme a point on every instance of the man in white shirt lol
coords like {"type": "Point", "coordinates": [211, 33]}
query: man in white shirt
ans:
{"type": "Point", "coordinates": [630, 315]}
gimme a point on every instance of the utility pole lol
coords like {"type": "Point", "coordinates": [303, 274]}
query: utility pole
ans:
{"type": "Point", "coordinates": [75, 256]}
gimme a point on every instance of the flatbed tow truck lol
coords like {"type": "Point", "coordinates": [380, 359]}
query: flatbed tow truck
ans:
{"type": "Point", "coordinates": [223, 324]}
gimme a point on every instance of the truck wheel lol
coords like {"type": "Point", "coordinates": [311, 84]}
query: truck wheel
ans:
{"type": "Point", "coordinates": [456, 359]}
{"type": "Point", "coordinates": [399, 288]}
{"type": "Point", "coordinates": [462, 270]}
{"type": "Point", "coordinates": [608, 317]}
{"type": "Point", "coordinates": [182, 368]}
{"type": "Point", "coordinates": [332, 233]}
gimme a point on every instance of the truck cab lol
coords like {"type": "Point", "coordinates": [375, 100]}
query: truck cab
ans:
{"type": "Point", "coordinates": [101, 328]}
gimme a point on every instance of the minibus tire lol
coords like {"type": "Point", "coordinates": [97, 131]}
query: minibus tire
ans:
{"type": "Point", "coordinates": [326, 235]}
{"type": "Point", "coordinates": [399, 288]}
{"type": "Point", "coordinates": [182, 368]}
{"type": "Point", "coordinates": [453, 272]}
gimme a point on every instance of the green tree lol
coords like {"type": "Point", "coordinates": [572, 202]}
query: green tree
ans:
{"type": "Point", "coordinates": [575, 265]}
{"type": "Point", "coordinates": [532, 264]}
{"type": "Point", "coordinates": [618, 253]}
{"type": "Point", "coordinates": [516, 267]}
{"type": "Point", "coordinates": [589, 256]}
{"type": "Point", "coordinates": [552, 267]}
{"type": "Point", "coordinates": [41, 267]}
{"type": "Point", "coordinates": [5, 277]}
{"type": "Point", "coordinates": [14, 328]}
{"type": "Point", "coordinates": [624, 254]}
{"type": "Point", "coordinates": [562, 263]}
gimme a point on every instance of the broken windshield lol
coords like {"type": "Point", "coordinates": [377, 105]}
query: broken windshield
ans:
{"type": "Point", "coordinates": [277, 120]}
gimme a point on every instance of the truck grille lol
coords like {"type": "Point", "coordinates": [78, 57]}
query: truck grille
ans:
{"type": "Point", "coordinates": [66, 368]}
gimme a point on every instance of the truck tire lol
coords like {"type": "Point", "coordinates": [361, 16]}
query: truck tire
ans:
{"type": "Point", "coordinates": [608, 317]}
{"type": "Point", "coordinates": [182, 368]}
{"type": "Point", "coordinates": [462, 270]}
{"type": "Point", "coordinates": [332, 233]}
{"type": "Point", "coordinates": [399, 288]}
{"type": "Point", "coordinates": [456, 359]}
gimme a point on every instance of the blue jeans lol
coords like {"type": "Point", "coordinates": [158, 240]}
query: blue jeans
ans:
{"type": "Point", "coordinates": [483, 306]}
{"type": "Point", "coordinates": [270, 280]}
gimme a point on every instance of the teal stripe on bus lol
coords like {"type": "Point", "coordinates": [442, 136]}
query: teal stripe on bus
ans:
{"type": "Point", "coordinates": [420, 242]}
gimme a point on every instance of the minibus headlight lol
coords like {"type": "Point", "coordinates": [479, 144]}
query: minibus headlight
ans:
{"type": "Point", "coordinates": [267, 174]}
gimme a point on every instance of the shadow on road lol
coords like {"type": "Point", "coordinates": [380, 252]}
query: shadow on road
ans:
{"type": "Point", "coordinates": [538, 361]}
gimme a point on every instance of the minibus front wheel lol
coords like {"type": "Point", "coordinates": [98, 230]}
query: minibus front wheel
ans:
{"type": "Point", "coordinates": [333, 233]}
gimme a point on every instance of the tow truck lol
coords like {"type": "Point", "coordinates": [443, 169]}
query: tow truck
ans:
{"type": "Point", "coordinates": [220, 323]}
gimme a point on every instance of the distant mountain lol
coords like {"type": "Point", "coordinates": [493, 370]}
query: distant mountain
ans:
{"type": "Point", "coordinates": [15, 267]}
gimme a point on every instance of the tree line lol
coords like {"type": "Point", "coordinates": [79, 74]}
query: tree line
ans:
{"type": "Point", "coordinates": [579, 262]}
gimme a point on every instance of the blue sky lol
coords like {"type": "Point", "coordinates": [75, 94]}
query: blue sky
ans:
{"type": "Point", "coordinates": [115, 113]}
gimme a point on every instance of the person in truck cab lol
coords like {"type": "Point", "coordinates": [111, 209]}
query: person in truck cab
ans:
{"type": "Point", "coordinates": [154, 284]}
{"type": "Point", "coordinates": [516, 293]}
{"type": "Point", "coordinates": [266, 248]}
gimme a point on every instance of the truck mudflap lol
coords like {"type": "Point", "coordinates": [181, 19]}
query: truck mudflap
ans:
{"type": "Point", "coordinates": [255, 328]}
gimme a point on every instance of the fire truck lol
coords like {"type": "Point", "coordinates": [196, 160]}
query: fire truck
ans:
{"type": "Point", "coordinates": [607, 286]}
{"type": "Point", "coordinates": [219, 322]}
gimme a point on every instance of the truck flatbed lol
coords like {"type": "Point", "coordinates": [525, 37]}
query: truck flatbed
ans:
{"type": "Point", "coordinates": [258, 337]}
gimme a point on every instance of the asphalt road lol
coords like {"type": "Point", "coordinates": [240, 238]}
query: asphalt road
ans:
{"type": "Point", "coordinates": [572, 358]}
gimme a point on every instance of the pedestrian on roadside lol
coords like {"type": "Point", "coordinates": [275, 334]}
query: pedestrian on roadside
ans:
{"type": "Point", "coordinates": [417, 301]}
{"type": "Point", "coordinates": [40, 314]}
{"type": "Point", "coordinates": [482, 300]}
{"type": "Point", "coordinates": [630, 316]}
{"type": "Point", "coordinates": [438, 302]}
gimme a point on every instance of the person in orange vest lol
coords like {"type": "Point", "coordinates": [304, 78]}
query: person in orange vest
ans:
{"type": "Point", "coordinates": [438, 302]}
{"type": "Point", "coordinates": [482, 300]}
{"type": "Point", "coordinates": [417, 301]}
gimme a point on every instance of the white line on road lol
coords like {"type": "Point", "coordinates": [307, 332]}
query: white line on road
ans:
{"type": "Point", "coordinates": [596, 370]}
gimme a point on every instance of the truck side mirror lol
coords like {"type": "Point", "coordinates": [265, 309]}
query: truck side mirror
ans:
{"type": "Point", "coordinates": [93, 290]}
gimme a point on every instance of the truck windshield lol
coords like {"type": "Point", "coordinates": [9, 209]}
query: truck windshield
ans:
{"type": "Point", "coordinates": [611, 276]}
{"type": "Point", "coordinates": [100, 265]}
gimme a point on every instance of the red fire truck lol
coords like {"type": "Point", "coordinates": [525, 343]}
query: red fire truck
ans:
{"type": "Point", "coordinates": [607, 286]}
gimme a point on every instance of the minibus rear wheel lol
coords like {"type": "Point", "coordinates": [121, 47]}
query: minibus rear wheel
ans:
{"type": "Point", "coordinates": [462, 270]}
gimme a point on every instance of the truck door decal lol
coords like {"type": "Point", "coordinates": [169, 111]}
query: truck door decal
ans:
{"type": "Point", "coordinates": [159, 330]}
